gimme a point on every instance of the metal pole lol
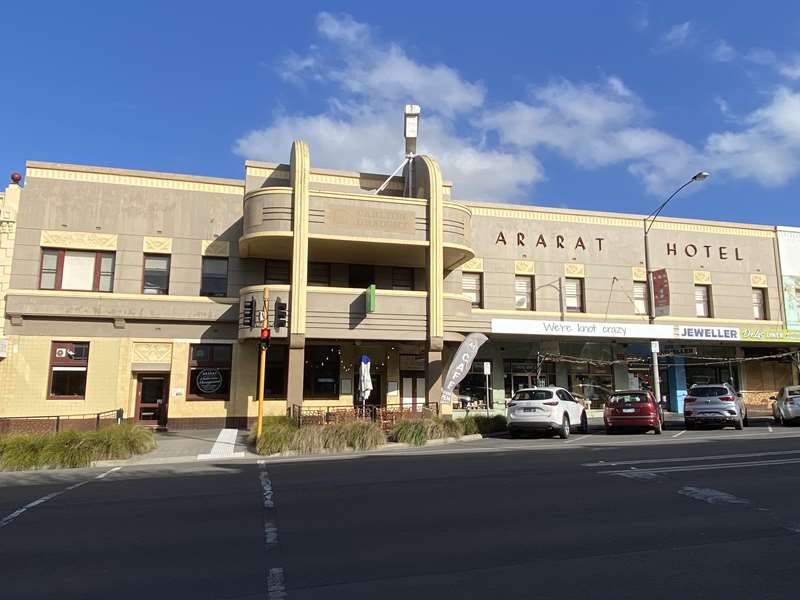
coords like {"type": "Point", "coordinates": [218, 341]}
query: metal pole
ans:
{"type": "Point", "coordinates": [487, 395]}
{"type": "Point", "coordinates": [262, 367]}
{"type": "Point", "coordinates": [651, 310]}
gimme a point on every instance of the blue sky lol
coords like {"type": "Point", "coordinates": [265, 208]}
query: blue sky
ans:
{"type": "Point", "coordinates": [590, 105]}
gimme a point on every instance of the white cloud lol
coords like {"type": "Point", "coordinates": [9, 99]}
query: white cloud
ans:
{"type": "Point", "coordinates": [678, 36]}
{"type": "Point", "coordinates": [492, 152]}
{"type": "Point", "coordinates": [641, 16]}
{"type": "Point", "coordinates": [790, 68]}
{"type": "Point", "coordinates": [722, 51]}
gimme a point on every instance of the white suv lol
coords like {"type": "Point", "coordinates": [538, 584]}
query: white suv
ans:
{"type": "Point", "coordinates": [545, 409]}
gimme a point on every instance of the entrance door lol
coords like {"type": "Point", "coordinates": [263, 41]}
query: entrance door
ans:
{"type": "Point", "coordinates": [412, 391]}
{"type": "Point", "coordinates": [152, 399]}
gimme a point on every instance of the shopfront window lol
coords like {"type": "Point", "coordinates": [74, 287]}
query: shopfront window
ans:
{"type": "Point", "coordinates": [521, 374]}
{"type": "Point", "coordinates": [209, 372]}
{"type": "Point", "coordinates": [321, 374]}
{"type": "Point", "coordinates": [276, 369]}
{"type": "Point", "coordinates": [472, 391]}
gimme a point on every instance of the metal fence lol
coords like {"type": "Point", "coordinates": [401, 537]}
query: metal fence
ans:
{"type": "Point", "coordinates": [55, 423]}
{"type": "Point", "coordinates": [386, 416]}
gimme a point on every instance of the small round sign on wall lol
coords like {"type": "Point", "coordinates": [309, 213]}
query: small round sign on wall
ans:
{"type": "Point", "coordinates": [209, 381]}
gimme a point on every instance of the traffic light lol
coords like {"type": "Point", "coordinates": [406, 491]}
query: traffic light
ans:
{"type": "Point", "coordinates": [280, 314]}
{"type": "Point", "coordinates": [249, 313]}
{"type": "Point", "coordinates": [264, 341]}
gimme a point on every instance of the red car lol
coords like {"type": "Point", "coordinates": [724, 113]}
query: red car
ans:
{"type": "Point", "coordinates": [632, 409]}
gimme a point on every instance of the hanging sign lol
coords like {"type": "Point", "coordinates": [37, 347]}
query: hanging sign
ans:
{"type": "Point", "coordinates": [661, 292]}
{"type": "Point", "coordinates": [461, 364]}
{"type": "Point", "coordinates": [583, 329]}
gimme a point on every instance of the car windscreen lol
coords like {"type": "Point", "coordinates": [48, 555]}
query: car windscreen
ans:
{"type": "Point", "coordinates": [793, 391]}
{"type": "Point", "coordinates": [628, 399]}
{"type": "Point", "coordinates": [708, 392]}
{"type": "Point", "coordinates": [533, 395]}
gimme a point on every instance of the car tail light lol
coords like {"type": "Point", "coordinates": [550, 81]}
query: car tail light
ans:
{"type": "Point", "coordinates": [688, 399]}
{"type": "Point", "coordinates": [552, 403]}
{"type": "Point", "coordinates": [726, 398]}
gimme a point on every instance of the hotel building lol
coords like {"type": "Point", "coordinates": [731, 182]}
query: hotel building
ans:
{"type": "Point", "coordinates": [128, 289]}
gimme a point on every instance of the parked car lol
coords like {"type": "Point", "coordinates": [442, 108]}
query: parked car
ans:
{"type": "Point", "coordinates": [786, 407]}
{"type": "Point", "coordinates": [633, 409]}
{"type": "Point", "coordinates": [551, 409]}
{"type": "Point", "coordinates": [716, 403]}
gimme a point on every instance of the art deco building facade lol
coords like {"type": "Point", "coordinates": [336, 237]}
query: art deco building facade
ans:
{"type": "Point", "coordinates": [126, 289]}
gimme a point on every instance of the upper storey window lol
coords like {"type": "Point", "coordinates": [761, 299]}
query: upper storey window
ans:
{"type": "Point", "coordinates": [77, 270]}
{"type": "Point", "coordinates": [215, 277]}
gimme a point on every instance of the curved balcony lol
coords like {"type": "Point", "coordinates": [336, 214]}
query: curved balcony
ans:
{"type": "Point", "coordinates": [353, 228]}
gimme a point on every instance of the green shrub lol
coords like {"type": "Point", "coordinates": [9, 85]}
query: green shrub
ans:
{"type": "Point", "coordinates": [413, 432]}
{"type": "Point", "coordinates": [363, 435]}
{"type": "Point", "coordinates": [469, 425]}
{"type": "Point", "coordinates": [109, 444]}
{"type": "Point", "coordinates": [134, 438]}
{"type": "Point", "coordinates": [68, 449]}
{"type": "Point", "coordinates": [267, 423]}
{"type": "Point", "coordinates": [334, 437]}
{"type": "Point", "coordinates": [275, 439]}
{"type": "Point", "coordinates": [308, 440]}
{"type": "Point", "coordinates": [23, 451]}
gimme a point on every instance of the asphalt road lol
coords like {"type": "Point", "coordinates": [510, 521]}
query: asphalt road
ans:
{"type": "Point", "coordinates": [700, 514]}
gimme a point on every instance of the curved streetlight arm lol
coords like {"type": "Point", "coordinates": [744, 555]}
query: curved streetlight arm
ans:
{"type": "Point", "coordinates": [654, 215]}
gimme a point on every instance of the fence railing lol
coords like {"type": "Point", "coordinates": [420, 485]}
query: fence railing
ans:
{"type": "Point", "coordinates": [56, 423]}
{"type": "Point", "coordinates": [386, 415]}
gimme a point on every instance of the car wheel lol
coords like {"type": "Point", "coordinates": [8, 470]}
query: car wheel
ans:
{"type": "Point", "coordinates": [584, 423]}
{"type": "Point", "coordinates": [657, 428]}
{"type": "Point", "coordinates": [563, 431]}
{"type": "Point", "coordinates": [739, 424]}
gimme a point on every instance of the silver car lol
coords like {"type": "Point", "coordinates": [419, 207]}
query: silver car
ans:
{"type": "Point", "coordinates": [786, 407]}
{"type": "Point", "coordinates": [716, 403]}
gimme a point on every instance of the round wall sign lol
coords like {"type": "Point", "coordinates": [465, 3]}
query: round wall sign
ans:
{"type": "Point", "coordinates": [209, 381]}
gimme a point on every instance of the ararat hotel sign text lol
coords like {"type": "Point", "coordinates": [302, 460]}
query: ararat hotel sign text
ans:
{"type": "Point", "coordinates": [522, 239]}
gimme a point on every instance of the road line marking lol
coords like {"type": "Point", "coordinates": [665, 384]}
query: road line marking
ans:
{"type": "Point", "coordinates": [679, 434]}
{"type": "Point", "coordinates": [653, 461]}
{"type": "Point", "coordinates": [577, 439]}
{"type": "Point", "coordinates": [224, 446]}
{"type": "Point", "coordinates": [711, 496]}
{"type": "Point", "coordinates": [276, 586]}
{"type": "Point", "coordinates": [714, 467]}
{"type": "Point", "coordinates": [10, 518]}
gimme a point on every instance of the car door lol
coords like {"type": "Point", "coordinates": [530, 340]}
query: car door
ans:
{"type": "Point", "coordinates": [574, 409]}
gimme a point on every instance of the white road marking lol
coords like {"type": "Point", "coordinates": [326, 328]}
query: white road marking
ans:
{"type": "Point", "coordinates": [637, 474]}
{"type": "Point", "coordinates": [577, 439]}
{"type": "Point", "coordinates": [770, 428]}
{"type": "Point", "coordinates": [653, 461]}
{"type": "Point", "coordinates": [9, 518]}
{"type": "Point", "coordinates": [714, 466]}
{"type": "Point", "coordinates": [223, 447]}
{"type": "Point", "coordinates": [679, 434]}
{"type": "Point", "coordinates": [711, 496]}
{"type": "Point", "coordinates": [276, 587]}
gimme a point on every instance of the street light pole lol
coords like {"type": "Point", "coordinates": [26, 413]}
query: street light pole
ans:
{"type": "Point", "coordinates": [647, 224]}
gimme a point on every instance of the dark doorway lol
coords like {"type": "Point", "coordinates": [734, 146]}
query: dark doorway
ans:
{"type": "Point", "coordinates": [376, 397]}
{"type": "Point", "coordinates": [152, 399]}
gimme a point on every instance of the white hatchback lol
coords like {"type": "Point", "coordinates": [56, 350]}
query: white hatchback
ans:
{"type": "Point", "coordinates": [551, 409]}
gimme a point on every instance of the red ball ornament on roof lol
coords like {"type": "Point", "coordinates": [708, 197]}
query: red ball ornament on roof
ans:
{"type": "Point", "coordinates": [16, 177]}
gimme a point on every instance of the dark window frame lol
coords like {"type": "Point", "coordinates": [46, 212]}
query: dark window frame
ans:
{"type": "Point", "coordinates": [56, 362]}
{"type": "Point", "coordinates": [581, 295]}
{"type": "Point", "coordinates": [479, 275]}
{"type": "Point", "coordinates": [531, 292]}
{"type": "Point", "coordinates": [204, 291]}
{"type": "Point", "coordinates": [212, 363]}
{"type": "Point", "coordinates": [144, 273]}
{"type": "Point", "coordinates": [321, 282]}
{"type": "Point", "coordinates": [59, 271]}
{"type": "Point", "coordinates": [269, 275]}
{"type": "Point", "coordinates": [400, 285]}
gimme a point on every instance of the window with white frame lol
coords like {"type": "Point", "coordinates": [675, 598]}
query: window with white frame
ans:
{"type": "Point", "coordinates": [640, 304]}
{"type": "Point", "coordinates": [759, 304]}
{"type": "Point", "coordinates": [77, 270]}
{"type": "Point", "coordinates": [471, 286]}
{"type": "Point", "coordinates": [573, 292]}
{"type": "Point", "coordinates": [523, 292]}
{"type": "Point", "coordinates": [702, 300]}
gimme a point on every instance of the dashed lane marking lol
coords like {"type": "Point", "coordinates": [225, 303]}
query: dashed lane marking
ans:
{"type": "Point", "coordinates": [276, 586]}
{"type": "Point", "coordinates": [8, 519]}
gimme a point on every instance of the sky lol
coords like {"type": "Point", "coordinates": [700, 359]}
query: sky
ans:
{"type": "Point", "coordinates": [586, 105]}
